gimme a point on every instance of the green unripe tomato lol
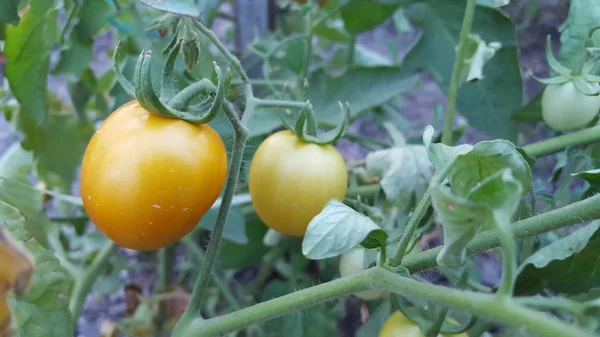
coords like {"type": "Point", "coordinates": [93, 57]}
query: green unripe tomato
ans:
{"type": "Point", "coordinates": [565, 108]}
{"type": "Point", "coordinates": [353, 262]}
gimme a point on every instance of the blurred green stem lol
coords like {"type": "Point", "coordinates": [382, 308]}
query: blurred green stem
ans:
{"type": "Point", "coordinates": [267, 266]}
{"type": "Point", "coordinates": [84, 284]}
{"type": "Point", "coordinates": [556, 144]}
{"type": "Point", "coordinates": [455, 78]}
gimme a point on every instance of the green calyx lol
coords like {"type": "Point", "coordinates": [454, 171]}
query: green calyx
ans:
{"type": "Point", "coordinates": [306, 128]}
{"type": "Point", "coordinates": [580, 75]}
{"type": "Point", "coordinates": [171, 103]}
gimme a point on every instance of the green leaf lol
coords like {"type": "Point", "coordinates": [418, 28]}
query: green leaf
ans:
{"type": "Point", "coordinates": [337, 229]}
{"type": "Point", "coordinates": [313, 321]}
{"type": "Point", "coordinates": [490, 203]}
{"type": "Point", "coordinates": [44, 310]}
{"type": "Point", "coordinates": [532, 111]}
{"type": "Point", "coordinates": [405, 171]}
{"type": "Point", "coordinates": [362, 88]}
{"type": "Point", "coordinates": [9, 12]}
{"type": "Point", "coordinates": [92, 16]}
{"type": "Point", "coordinates": [442, 155]}
{"type": "Point", "coordinates": [73, 59]}
{"type": "Point", "coordinates": [27, 52]}
{"type": "Point", "coordinates": [478, 53]}
{"type": "Point", "coordinates": [485, 159]}
{"type": "Point", "coordinates": [237, 256]}
{"type": "Point", "coordinates": [58, 146]}
{"type": "Point", "coordinates": [487, 104]}
{"type": "Point", "coordinates": [18, 192]}
{"type": "Point", "coordinates": [566, 266]}
{"type": "Point", "coordinates": [592, 177]}
{"type": "Point", "coordinates": [361, 15]}
{"type": "Point", "coordinates": [235, 228]}
{"type": "Point", "coordinates": [583, 16]}
{"type": "Point", "coordinates": [179, 7]}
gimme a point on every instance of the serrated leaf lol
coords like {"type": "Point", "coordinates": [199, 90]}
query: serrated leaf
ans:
{"type": "Point", "coordinates": [404, 171]}
{"type": "Point", "coordinates": [565, 265]}
{"type": "Point", "coordinates": [487, 104]}
{"type": "Point", "coordinates": [58, 146]}
{"type": "Point", "coordinates": [17, 191]}
{"type": "Point", "coordinates": [485, 159]}
{"type": "Point", "coordinates": [591, 176]}
{"type": "Point", "coordinates": [314, 321]}
{"type": "Point", "coordinates": [337, 229]}
{"type": "Point", "coordinates": [44, 309]}
{"type": "Point", "coordinates": [9, 12]}
{"type": "Point", "coordinates": [27, 52]}
{"type": "Point", "coordinates": [490, 203]}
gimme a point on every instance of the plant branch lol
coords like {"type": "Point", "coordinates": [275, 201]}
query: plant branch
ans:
{"type": "Point", "coordinates": [575, 213]}
{"type": "Point", "coordinates": [556, 144]}
{"type": "Point", "coordinates": [506, 311]}
{"type": "Point", "coordinates": [84, 284]}
{"type": "Point", "coordinates": [455, 78]}
{"type": "Point", "coordinates": [273, 103]}
{"type": "Point", "coordinates": [416, 218]}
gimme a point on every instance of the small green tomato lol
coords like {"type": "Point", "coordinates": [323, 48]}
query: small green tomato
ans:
{"type": "Point", "coordinates": [353, 262]}
{"type": "Point", "coordinates": [565, 108]}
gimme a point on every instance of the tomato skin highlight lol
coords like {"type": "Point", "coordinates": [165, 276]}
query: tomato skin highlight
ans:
{"type": "Point", "coordinates": [147, 180]}
{"type": "Point", "coordinates": [290, 181]}
{"type": "Point", "coordinates": [565, 108]}
{"type": "Point", "coordinates": [398, 325]}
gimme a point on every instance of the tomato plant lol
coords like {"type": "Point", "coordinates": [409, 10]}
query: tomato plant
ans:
{"type": "Point", "coordinates": [146, 180]}
{"type": "Point", "coordinates": [181, 168]}
{"type": "Point", "coordinates": [565, 108]}
{"type": "Point", "coordinates": [290, 181]}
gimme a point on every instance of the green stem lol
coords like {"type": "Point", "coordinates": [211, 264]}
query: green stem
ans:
{"type": "Point", "coordinates": [506, 311]}
{"type": "Point", "coordinates": [273, 103]}
{"type": "Point", "coordinates": [237, 155]}
{"type": "Point", "coordinates": [307, 51]}
{"type": "Point", "coordinates": [575, 213]}
{"type": "Point", "coordinates": [455, 78]}
{"type": "Point", "coordinates": [416, 218]}
{"type": "Point", "coordinates": [509, 259]}
{"type": "Point", "coordinates": [164, 268]}
{"type": "Point", "coordinates": [85, 283]}
{"type": "Point", "coordinates": [70, 17]}
{"type": "Point", "coordinates": [196, 253]}
{"type": "Point", "coordinates": [267, 267]}
{"type": "Point", "coordinates": [556, 144]}
{"type": "Point", "coordinates": [366, 191]}
{"type": "Point", "coordinates": [351, 48]}
{"type": "Point", "coordinates": [551, 303]}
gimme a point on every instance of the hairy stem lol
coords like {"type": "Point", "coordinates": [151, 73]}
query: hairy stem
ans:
{"type": "Point", "coordinates": [575, 213]}
{"type": "Point", "coordinates": [84, 284]}
{"type": "Point", "coordinates": [455, 78]}
{"type": "Point", "coordinates": [505, 311]}
{"type": "Point", "coordinates": [556, 144]}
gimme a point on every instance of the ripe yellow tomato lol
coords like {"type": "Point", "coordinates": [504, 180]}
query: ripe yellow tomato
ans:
{"type": "Point", "coordinates": [290, 181]}
{"type": "Point", "coordinates": [146, 180]}
{"type": "Point", "coordinates": [398, 325]}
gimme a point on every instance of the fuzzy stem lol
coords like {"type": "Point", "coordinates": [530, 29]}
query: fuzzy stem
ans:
{"type": "Point", "coordinates": [505, 311]}
{"type": "Point", "coordinates": [556, 144]}
{"type": "Point", "coordinates": [455, 78]}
